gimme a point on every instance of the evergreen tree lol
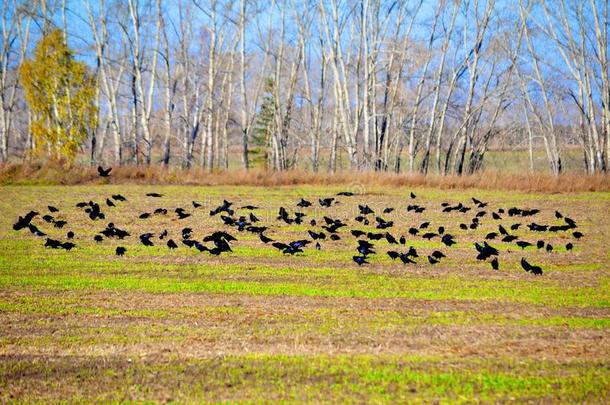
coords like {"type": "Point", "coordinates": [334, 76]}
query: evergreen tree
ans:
{"type": "Point", "coordinates": [263, 130]}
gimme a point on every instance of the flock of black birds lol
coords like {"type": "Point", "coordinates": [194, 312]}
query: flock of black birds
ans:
{"type": "Point", "coordinates": [324, 230]}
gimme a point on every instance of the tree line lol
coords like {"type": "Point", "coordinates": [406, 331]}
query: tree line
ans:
{"type": "Point", "coordinates": [387, 85]}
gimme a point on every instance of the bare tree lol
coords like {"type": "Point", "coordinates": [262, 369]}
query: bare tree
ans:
{"type": "Point", "coordinates": [13, 46]}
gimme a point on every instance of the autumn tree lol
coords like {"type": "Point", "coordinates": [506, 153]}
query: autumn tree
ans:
{"type": "Point", "coordinates": [60, 93]}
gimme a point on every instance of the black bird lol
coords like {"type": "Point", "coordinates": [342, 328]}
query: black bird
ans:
{"type": "Point", "coordinates": [283, 215]}
{"type": "Point", "coordinates": [316, 236]}
{"type": "Point", "coordinates": [145, 239]}
{"type": "Point", "coordinates": [48, 218]}
{"type": "Point", "coordinates": [118, 197]}
{"type": "Point", "coordinates": [509, 238]}
{"type": "Point", "coordinates": [495, 216]}
{"type": "Point", "coordinates": [537, 228]}
{"type": "Point", "coordinates": [429, 235]}
{"type": "Point", "coordinates": [120, 251]}
{"type": "Point", "coordinates": [104, 172]}
{"type": "Point", "coordinates": [432, 260]}
{"type": "Point", "coordinates": [144, 215]}
{"type": "Point", "coordinates": [346, 193]}
{"type": "Point", "coordinates": [412, 252]}
{"type": "Point", "coordinates": [264, 238]}
{"type": "Point", "coordinates": [405, 258]}
{"type": "Point", "coordinates": [221, 241]}
{"type": "Point", "coordinates": [390, 238]}
{"type": "Point", "coordinates": [413, 231]}
{"type": "Point", "coordinates": [163, 234]}
{"type": "Point", "coordinates": [292, 247]}
{"type": "Point", "coordinates": [59, 224]}
{"type": "Point", "coordinates": [570, 222]}
{"type": "Point", "coordinates": [393, 254]}
{"type": "Point", "coordinates": [494, 263]}
{"type": "Point", "coordinates": [413, 194]}
{"type": "Point", "coordinates": [253, 218]}
{"type": "Point", "coordinates": [94, 211]}
{"type": "Point", "coordinates": [156, 195]}
{"type": "Point", "coordinates": [388, 210]}
{"type": "Point", "coordinates": [383, 224]}
{"type": "Point", "coordinates": [23, 222]}
{"type": "Point", "coordinates": [424, 225]}
{"type": "Point", "coordinates": [514, 227]}
{"type": "Point", "coordinates": [186, 233]}
{"type": "Point", "coordinates": [549, 247]}
{"type": "Point", "coordinates": [335, 237]}
{"type": "Point", "coordinates": [375, 236]}
{"type": "Point", "coordinates": [365, 248]}
{"type": "Point", "coordinates": [35, 231]}
{"type": "Point", "coordinates": [491, 235]}
{"type": "Point", "coordinates": [485, 251]}
{"type": "Point", "coordinates": [326, 202]}
{"type": "Point", "coordinates": [196, 204]}
{"type": "Point", "coordinates": [569, 246]}
{"type": "Point", "coordinates": [480, 203]}
{"type": "Point", "coordinates": [402, 240]}
{"type": "Point", "coordinates": [365, 209]}
{"type": "Point", "coordinates": [220, 235]}
{"type": "Point", "coordinates": [502, 230]}
{"type": "Point", "coordinates": [81, 204]}
{"type": "Point", "coordinates": [416, 208]}
{"type": "Point", "coordinates": [52, 243]}
{"type": "Point", "coordinates": [523, 244]}
{"type": "Point", "coordinates": [111, 232]}
{"type": "Point", "coordinates": [303, 203]}
{"type": "Point", "coordinates": [171, 244]}
{"type": "Point", "coordinates": [110, 203]}
{"type": "Point", "coordinates": [360, 260]}
{"type": "Point", "coordinates": [577, 234]}
{"type": "Point", "coordinates": [52, 208]}
{"type": "Point", "coordinates": [249, 207]}
{"type": "Point", "coordinates": [70, 235]}
{"type": "Point", "coordinates": [160, 211]}
{"type": "Point", "coordinates": [98, 238]}
{"type": "Point", "coordinates": [334, 225]}
{"type": "Point", "coordinates": [199, 246]}
{"type": "Point", "coordinates": [540, 244]}
{"type": "Point", "coordinates": [181, 214]}
{"type": "Point", "coordinates": [448, 240]}
{"type": "Point", "coordinates": [357, 233]}
{"type": "Point", "coordinates": [530, 268]}
{"type": "Point", "coordinates": [558, 215]}
{"type": "Point", "coordinates": [256, 229]}
{"type": "Point", "coordinates": [191, 243]}
{"type": "Point", "coordinates": [437, 255]}
{"type": "Point", "coordinates": [67, 245]}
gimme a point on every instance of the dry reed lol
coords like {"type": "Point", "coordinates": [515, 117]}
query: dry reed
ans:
{"type": "Point", "coordinates": [57, 174]}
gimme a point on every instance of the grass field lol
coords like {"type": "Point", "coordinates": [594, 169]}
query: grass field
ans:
{"type": "Point", "coordinates": [255, 325]}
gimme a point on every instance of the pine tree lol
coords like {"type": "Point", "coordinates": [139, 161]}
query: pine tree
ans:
{"type": "Point", "coordinates": [60, 92]}
{"type": "Point", "coordinates": [263, 129]}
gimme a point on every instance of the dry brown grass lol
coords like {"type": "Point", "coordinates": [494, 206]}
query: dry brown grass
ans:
{"type": "Point", "coordinates": [55, 173]}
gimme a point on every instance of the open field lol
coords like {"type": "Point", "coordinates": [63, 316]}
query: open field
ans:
{"type": "Point", "coordinates": [254, 324]}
